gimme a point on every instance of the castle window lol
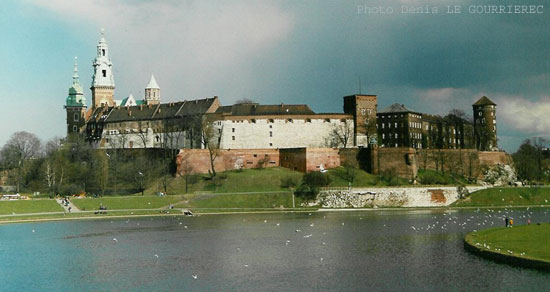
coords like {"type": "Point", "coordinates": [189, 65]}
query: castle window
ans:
{"type": "Point", "coordinates": [253, 121]}
{"type": "Point", "coordinates": [479, 114]}
{"type": "Point", "coordinates": [157, 138]}
{"type": "Point", "coordinates": [308, 120]}
{"type": "Point", "coordinates": [270, 126]}
{"type": "Point", "coordinates": [76, 117]}
{"type": "Point", "coordinates": [382, 125]}
{"type": "Point", "coordinates": [103, 52]}
{"type": "Point", "coordinates": [327, 120]}
{"type": "Point", "coordinates": [107, 141]}
{"type": "Point", "coordinates": [396, 135]}
{"type": "Point", "coordinates": [395, 125]}
{"type": "Point", "coordinates": [290, 120]}
{"type": "Point", "coordinates": [369, 111]}
{"type": "Point", "coordinates": [363, 111]}
{"type": "Point", "coordinates": [383, 135]}
{"type": "Point", "coordinates": [104, 73]}
{"type": "Point", "coordinates": [233, 138]}
{"type": "Point", "coordinates": [75, 129]}
{"type": "Point", "coordinates": [233, 130]}
{"type": "Point", "coordinates": [270, 144]}
{"type": "Point", "coordinates": [270, 134]}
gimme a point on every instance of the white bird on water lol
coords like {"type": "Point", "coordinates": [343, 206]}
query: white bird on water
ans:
{"type": "Point", "coordinates": [157, 256]}
{"type": "Point", "coordinates": [194, 277]}
{"type": "Point", "coordinates": [115, 240]}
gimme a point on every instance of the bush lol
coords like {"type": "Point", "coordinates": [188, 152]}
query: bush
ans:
{"type": "Point", "coordinates": [311, 184]}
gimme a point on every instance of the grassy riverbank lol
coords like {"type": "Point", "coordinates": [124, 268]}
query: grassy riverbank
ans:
{"type": "Point", "coordinates": [29, 206]}
{"type": "Point", "coordinates": [510, 196]}
{"type": "Point", "coordinates": [526, 242]}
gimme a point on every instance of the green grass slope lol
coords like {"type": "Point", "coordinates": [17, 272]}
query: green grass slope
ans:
{"type": "Point", "coordinates": [29, 206]}
{"type": "Point", "coordinates": [494, 197]}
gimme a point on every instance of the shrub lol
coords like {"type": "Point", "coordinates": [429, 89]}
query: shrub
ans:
{"type": "Point", "coordinates": [311, 184]}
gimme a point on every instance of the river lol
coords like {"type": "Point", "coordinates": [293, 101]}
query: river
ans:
{"type": "Point", "coordinates": [319, 251]}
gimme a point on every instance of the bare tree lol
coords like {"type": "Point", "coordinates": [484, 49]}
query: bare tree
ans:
{"type": "Point", "coordinates": [210, 140]}
{"type": "Point", "coordinates": [142, 132]}
{"type": "Point", "coordinates": [21, 147]}
{"type": "Point", "coordinates": [340, 134]}
{"type": "Point", "coordinates": [54, 165]}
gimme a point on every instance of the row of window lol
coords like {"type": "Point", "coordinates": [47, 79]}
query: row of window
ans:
{"type": "Point", "coordinates": [286, 121]}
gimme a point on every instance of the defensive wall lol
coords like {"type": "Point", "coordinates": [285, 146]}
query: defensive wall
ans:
{"type": "Point", "coordinates": [402, 162]}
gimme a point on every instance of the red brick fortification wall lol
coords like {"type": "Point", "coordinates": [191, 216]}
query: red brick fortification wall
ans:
{"type": "Point", "coordinates": [491, 158]}
{"type": "Point", "coordinates": [328, 157]}
{"type": "Point", "coordinates": [462, 161]}
{"type": "Point", "coordinates": [401, 161]}
{"type": "Point", "coordinates": [198, 160]}
{"type": "Point", "coordinates": [293, 158]}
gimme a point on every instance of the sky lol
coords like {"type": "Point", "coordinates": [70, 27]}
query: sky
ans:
{"type": "Point", "coordinates": [294, 52]}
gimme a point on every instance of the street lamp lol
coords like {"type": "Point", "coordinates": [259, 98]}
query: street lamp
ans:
{"type": "Point", "coordinates": [141, 182]}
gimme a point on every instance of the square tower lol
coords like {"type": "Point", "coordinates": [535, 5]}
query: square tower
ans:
{"type": "Point", "coordinates": [363, 108]}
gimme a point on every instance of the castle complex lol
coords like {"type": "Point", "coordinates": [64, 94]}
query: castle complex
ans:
{"type": "Point", "coordinates": [148, 123]}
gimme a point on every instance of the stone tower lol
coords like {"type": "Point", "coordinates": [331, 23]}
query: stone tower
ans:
{"type": "Point", "coordinates": [485, 124]}
{"type": "Point", "coordinates": [75, 105]}
{"type": "Point", "coordinates": [363, 108]}
{"type": "Point", "coordinates": [103, 82]}
{"type": "Point", "coordinates": [152, 92]}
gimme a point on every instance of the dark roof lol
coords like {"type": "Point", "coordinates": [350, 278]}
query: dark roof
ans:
{"type": "Point", "coordinates": [152, 112]}
{"type": "Point", "coordinates": [396, 108]}
{"type": "Point", "coordinates": [255, 109]}
{"type": "Point", "coordinates": [484, 101]}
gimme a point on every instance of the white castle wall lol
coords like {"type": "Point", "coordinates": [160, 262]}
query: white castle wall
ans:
{"type": "Point", "coordinates": [241, 134]}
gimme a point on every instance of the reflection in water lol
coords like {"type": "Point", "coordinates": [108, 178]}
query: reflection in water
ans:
{"type": "Point", "coordinates": [344, 251]}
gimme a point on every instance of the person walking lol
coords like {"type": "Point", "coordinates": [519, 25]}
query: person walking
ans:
{"type": "Point", "coordinates": [506, 221]}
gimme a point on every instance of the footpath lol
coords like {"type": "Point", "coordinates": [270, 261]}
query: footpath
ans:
{"type": "Point", "coordinates": [68, 208]}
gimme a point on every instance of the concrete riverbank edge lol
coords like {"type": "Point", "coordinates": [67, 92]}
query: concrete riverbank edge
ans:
{"type": "Point", "coordinates": [506, 259]}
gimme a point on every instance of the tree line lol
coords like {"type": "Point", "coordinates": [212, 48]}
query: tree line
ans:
{"type": "Point", "coordinates": [67, 166]}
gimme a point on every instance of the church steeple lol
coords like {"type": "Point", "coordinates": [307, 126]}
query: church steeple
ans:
{"type": "Point", "coordinates": [75, 104]}
{"type": "Point", "coordinates": [76, 94]}
{"type": "Point", "coordinates": [152, 92]}
{"type": "Point", "coordinates": [103, 82]}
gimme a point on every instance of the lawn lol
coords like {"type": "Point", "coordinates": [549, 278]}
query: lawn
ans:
{"type": "Point", "coordinates": [432, 177]}
{"type": "Point", "coordinates": [244, 201]}
{"type": "Point", "coordinates": [246, 180]}
{"type": "Point", "coordinates": [527, 241]}
{"type": "Point", "coordinates": [510, 196]}
{"type": "Point", "coordinates": [129, 202]}
{"type": "Point", "coordinates": [29, 206]}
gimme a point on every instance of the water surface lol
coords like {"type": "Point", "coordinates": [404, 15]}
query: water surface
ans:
{"type": "Point", "coordinates": [323, 251]}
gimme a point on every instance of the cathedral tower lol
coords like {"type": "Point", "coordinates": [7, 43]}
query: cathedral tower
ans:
{"type": "Point", "coordinates": [485, 124]}
{"type": "Point", "coordinates": [103, 82]}
{"type": "Point", "coordinates": [152, 92]}
{"type": "Point", "coordinates": [75, 105]}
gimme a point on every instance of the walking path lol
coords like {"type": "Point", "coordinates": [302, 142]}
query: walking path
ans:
{"type": "Point", "coordinates": [71, 205]}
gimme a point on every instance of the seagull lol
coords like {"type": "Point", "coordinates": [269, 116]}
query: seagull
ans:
{"type": "Point", "coordinates": [278, 224]}
{"type": "Point", "coordinates": [157, 256]}
{"type": "Point", "coordinates": [298, 230]}
{"type": "Point", "coordinates": [343, 224]}
{"type": "Point", "coordinates": [194, 277]}
{"type": "Point", "coordinates": [311, 224]}
{"type": "Point", "coordinates": [307, 236]}
{"type": "Point", "coordinates": [265, 221]}
{"type": "Point", "coordinates": [33, 231]}
{"type": "Point", "coordinates": [246, 266]}
{"type": "Point", "coordinates": [115, 240]}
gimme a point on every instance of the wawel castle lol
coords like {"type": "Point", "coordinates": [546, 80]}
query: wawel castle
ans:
{"type": "Point", "coordinates": [149, 123]}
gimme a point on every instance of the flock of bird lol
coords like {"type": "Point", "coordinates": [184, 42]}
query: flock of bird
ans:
{"type": "Point", "coordinates": [449, 221]}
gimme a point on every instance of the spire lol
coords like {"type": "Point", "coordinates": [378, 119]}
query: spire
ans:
{"type": "Point", "coordinates": [103, 67]}
{"type": "Point", "coordinates": [75, 75]}
{"type": "Point", "coordinates": [153, 83]}
{"type": "Point", "coordinates": [76, 94]}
